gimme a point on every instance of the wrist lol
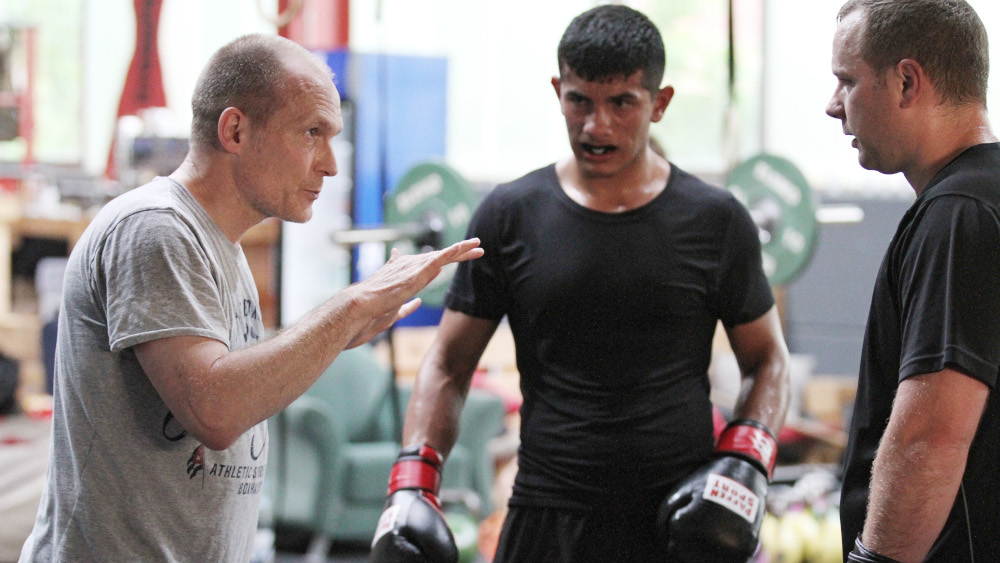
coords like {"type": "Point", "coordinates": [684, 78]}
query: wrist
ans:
{"type": "Point", "coordinates": [752, 441]}
{"type": "Point", "coordinates": [417, 467]}
{"type": "Point", "coordinates": [861, 554]}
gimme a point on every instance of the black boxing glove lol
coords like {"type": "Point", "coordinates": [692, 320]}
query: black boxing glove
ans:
{"type": "Point", "coordinates": [715, 513]}
{"type": "Point", "coordinates": [861, 554]}
{"type": "Point", "coordinates": [412, 529]}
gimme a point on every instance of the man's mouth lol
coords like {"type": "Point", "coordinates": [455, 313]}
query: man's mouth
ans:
{"type": "Point", "coordinates": [597, 150]}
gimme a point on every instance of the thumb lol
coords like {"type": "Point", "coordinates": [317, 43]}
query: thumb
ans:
{"type": "Point", "coordinates": [408, 308]}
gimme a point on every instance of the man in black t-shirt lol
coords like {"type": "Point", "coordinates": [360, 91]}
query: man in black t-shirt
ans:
{"type": "Point", "coordinates": [613, 268]}
{"type": "Point", "coordinates": [921, 471]}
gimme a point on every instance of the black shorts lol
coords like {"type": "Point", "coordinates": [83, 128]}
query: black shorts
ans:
{"type": "Point", "coordinates": [556, 535]}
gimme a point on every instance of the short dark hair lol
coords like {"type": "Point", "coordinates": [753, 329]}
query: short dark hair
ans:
{"type": "Point", "coordinates": [249, 73]}
{"type": "Point", "coordinates": [610, 41]}
{"type": "Point", "coordinates": [946, 37]}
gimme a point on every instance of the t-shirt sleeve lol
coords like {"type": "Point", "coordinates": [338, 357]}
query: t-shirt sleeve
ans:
{"type": "Point", "coordinates": [744, 293]}
{"type": "Point", "coordinates": [158, 282]}
{"type": "Point", "coordinates": [950, 305]}
{"type": "Point", "coordinates": [478, 288]}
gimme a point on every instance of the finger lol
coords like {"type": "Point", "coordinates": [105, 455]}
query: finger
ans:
{"type": "Point", "coordinates": [470, 255]}
{"type": "Point", "coordinates": [394, 253]}
{"type": "Point", "coordinates": [408, 307]}
{"type": "Point", "coordinates": [461, 251]}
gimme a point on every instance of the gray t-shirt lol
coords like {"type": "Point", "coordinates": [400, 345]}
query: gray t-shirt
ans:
{"type": "Point", "coordinates": [126, 482]}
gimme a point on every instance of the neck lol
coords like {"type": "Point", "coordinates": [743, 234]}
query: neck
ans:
{"type": "Point", "coordinates": [951, 134]}
{"type": "Point", "coordinates": [627, 189]}
{"type": "Point", "coordinates": [213, 186]}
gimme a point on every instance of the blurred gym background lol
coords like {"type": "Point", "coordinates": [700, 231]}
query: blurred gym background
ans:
{"type": "Point", "coordinates": [442, 99]}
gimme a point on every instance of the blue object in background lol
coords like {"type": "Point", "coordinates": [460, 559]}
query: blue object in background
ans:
{"type": "Point", "coordinates": [400, 120]}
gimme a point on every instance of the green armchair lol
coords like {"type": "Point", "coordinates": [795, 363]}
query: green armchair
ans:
{"type": "Point", "coordinates": [332, 450]}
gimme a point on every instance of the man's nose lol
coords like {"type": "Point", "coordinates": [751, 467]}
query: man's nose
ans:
{"type": "Point", "coordinates": [598, 122]}
{"type": "Point", "coordinates": [834, 107]}
{"type": "Point", "coordinates": [328, 161]}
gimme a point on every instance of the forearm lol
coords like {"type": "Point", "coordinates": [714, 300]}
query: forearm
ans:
{"type": "Point", "coordinates": [256, 382]}
{"type": "Point", "coordinates": [914, 485]}
{"type": "Point", "coordinates": [920, 462]}
{"type": "Point", "coordinates": [435, 408]}
{"type": "Point", "coordinates": [217, 395]}
{"type": "Point", "coordinates": [763, 359]}
{"type": "Point", "coordinates": [444, 379]}
{"type": "Point", "coordinates": [764, 395]}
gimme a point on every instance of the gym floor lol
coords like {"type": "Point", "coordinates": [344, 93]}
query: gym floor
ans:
{"type": "Point", "coordinates": [339, 555]}
{"type": "Point", "coordinates": [336, 556]}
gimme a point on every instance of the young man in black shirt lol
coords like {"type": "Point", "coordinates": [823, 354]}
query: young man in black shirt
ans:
{"type": "Point", "coordinates": [613, 267]}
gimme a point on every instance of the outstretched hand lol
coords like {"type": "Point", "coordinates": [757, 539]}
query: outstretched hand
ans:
{"type": "Point", "coordinates": [388, 294]}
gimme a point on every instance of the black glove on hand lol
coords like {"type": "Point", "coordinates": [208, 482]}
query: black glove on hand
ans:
{"type": "Point", "coordinates": [412, 529]}
{"type": "Point", "coordinates": [715, 513]}
{"type": "Point", "coordinates": [861, 554]}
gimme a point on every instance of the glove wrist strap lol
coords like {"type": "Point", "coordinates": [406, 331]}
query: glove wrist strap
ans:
{"type": "Point", "coordinates": [751, 440]}
{"type": "Point", "coordinates": [417, 467]}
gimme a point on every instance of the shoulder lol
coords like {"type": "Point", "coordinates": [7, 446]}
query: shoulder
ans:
{"type": "Point", "coordinates": [973, 174]}
{"type": "Point", "coordinates": [524, 190]}
{"type": "Point", "coordinates": [153, 214]}
{"type": "Point", "coordinates": [541, 179]}
{"type": "Point", "coordinates": [687, 191]}
{"type": "Point", "coordinates": [695, 188]}
{"type": "Point", "coordinates": [159, 195]}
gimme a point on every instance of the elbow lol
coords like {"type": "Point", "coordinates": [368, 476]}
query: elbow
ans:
{"type": "Point", "coordinates": [924, 443]}
{"type": "Point", "coordinates": [213, 431]}
{"type": "Point", "coordinates": [217, 441]}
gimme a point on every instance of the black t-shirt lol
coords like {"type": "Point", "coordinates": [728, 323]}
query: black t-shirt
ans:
{"type": "Point", "coordinates": [613, 316]}
{"type": "Point", "coordinates": [936, 304]}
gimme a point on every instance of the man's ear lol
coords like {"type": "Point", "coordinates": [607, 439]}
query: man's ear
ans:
{"type": "Point", "coordinates": [556, 86]}
{"type": "Point", "coordinates": [661, 101]}
{"type": "Point", "coordinates": [913, 82]}
{"type": "Point", "coordinates": [233, 125]}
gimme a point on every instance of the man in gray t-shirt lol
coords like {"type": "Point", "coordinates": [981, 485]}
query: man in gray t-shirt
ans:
{"type": "Point", "coordinates": [163, 385]}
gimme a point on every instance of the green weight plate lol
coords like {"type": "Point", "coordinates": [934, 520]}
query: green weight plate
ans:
{"type": "Point", "coordinates": [432, 193]}
{"type": "Point", "coordinates": [781, 203]}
